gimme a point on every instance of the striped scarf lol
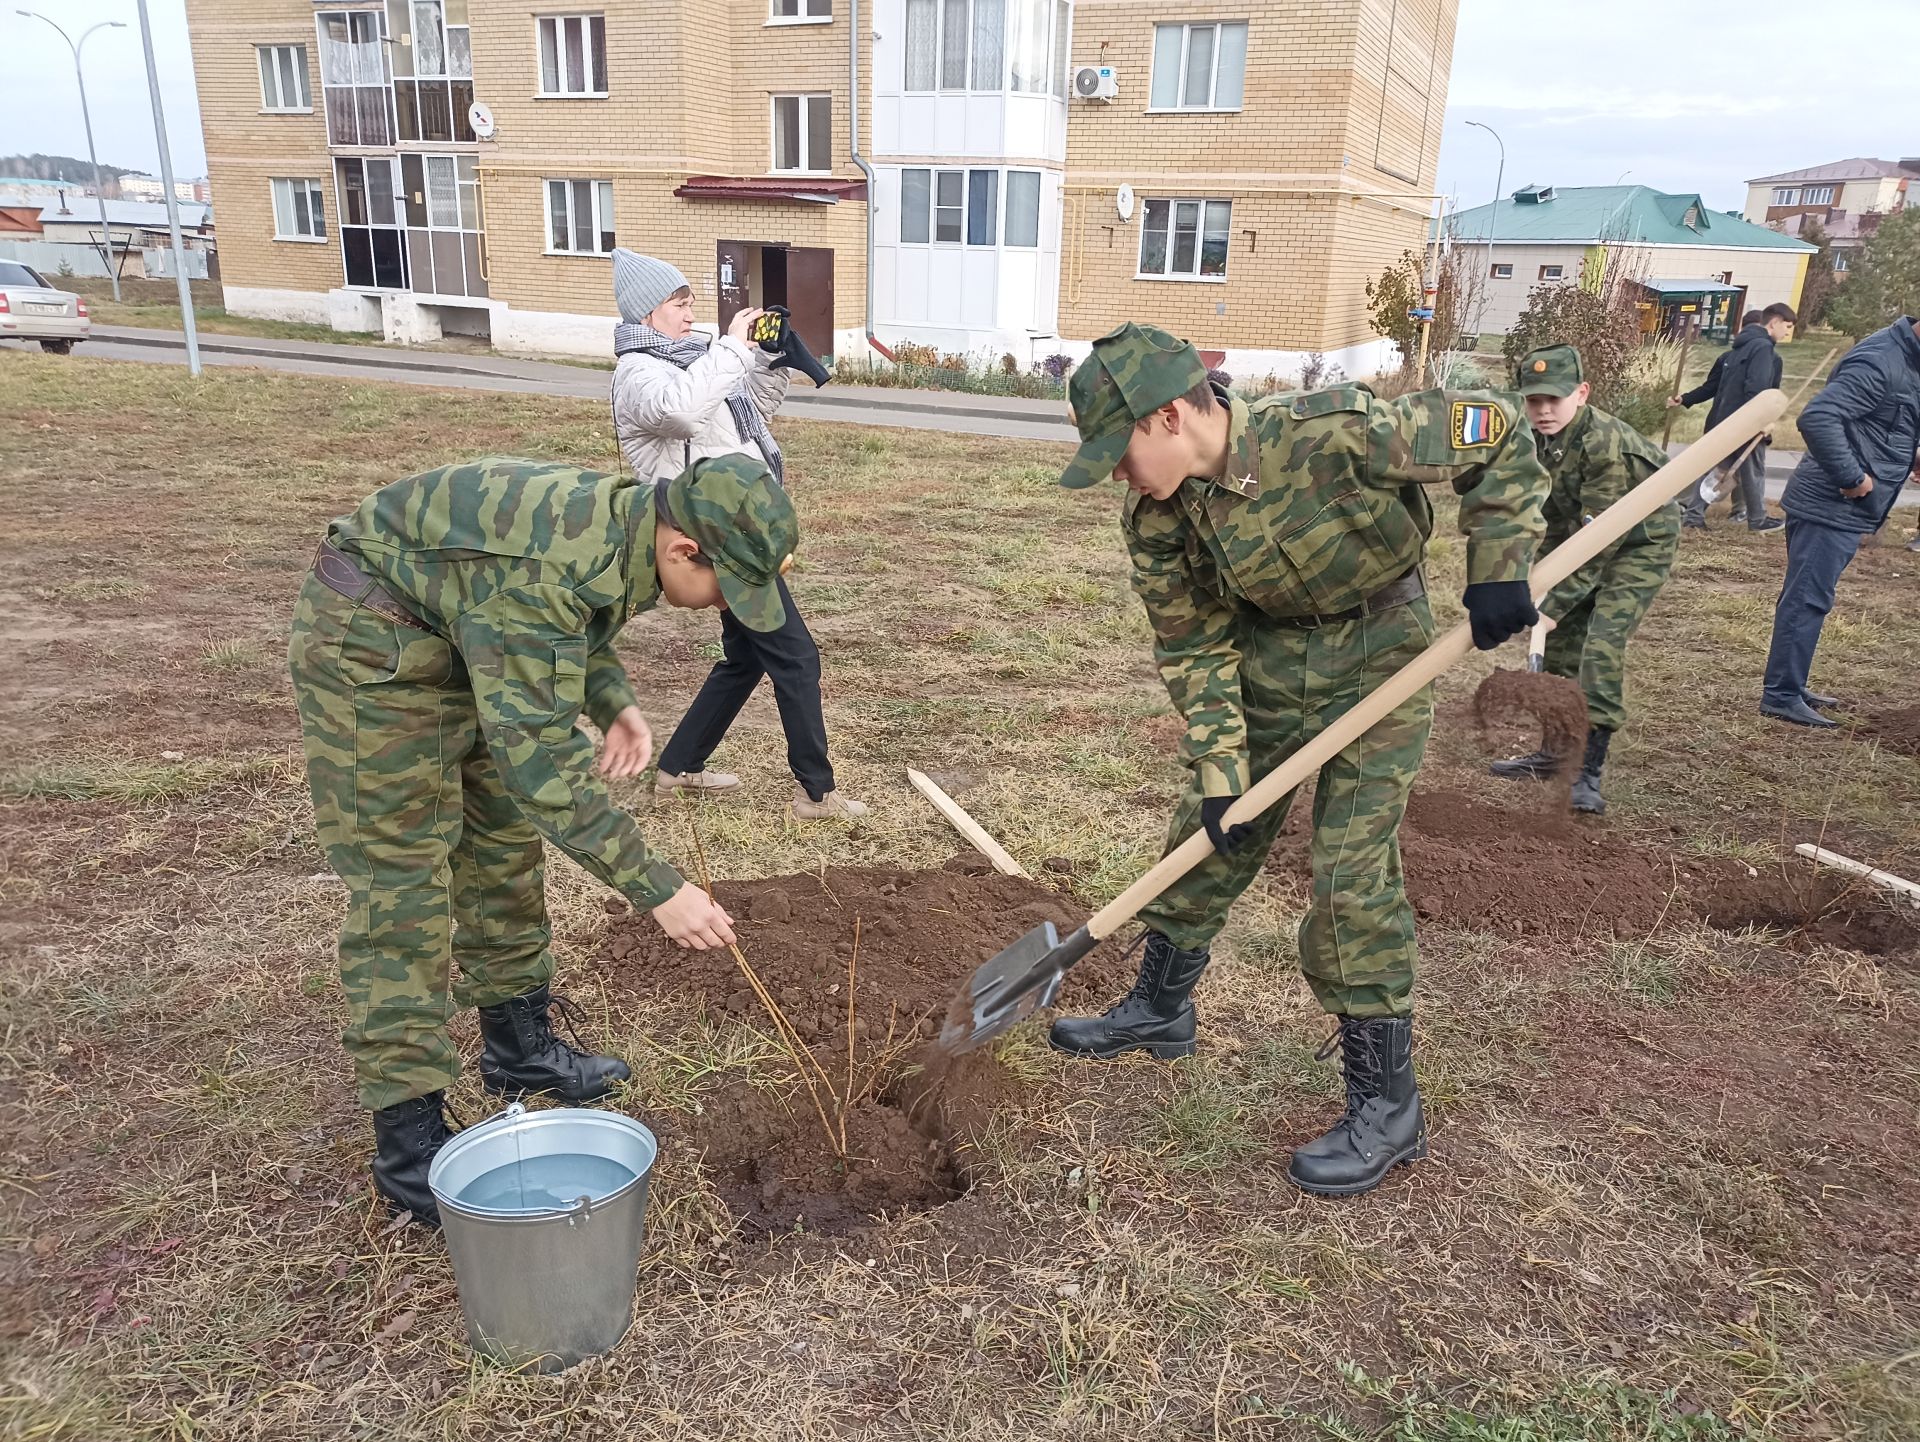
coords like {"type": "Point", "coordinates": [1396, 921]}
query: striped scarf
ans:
{"type": "Point", "coordinates": [630, 338]}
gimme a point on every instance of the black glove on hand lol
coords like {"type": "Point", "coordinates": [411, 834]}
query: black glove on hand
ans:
{"type": "Point", "coordinates": [1212, 809]}
{"type": "Point", "coordinates": [1497, 610]}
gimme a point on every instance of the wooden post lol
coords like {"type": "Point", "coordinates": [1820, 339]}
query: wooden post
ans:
{"type": "Point", "coordinates": [967, 826]}
{"type": "Point", "coordinates": [1679, 379]}
{"type": "Point", "coordinates": [1820, 856]}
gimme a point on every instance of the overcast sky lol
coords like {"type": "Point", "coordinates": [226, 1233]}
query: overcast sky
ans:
{"type": "Point", "coordinates": [1682, 95]}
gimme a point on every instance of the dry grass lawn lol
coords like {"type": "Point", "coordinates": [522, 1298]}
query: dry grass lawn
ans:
{"type": "Point", "coordinates": [1673, 1191]}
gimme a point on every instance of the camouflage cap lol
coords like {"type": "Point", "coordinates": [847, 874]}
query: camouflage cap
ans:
{"type": "Point", "coordinates": [745, 525]}
{"type": "Point", "coordinates": [1552, 370]}
{"type": "Point", "coordinates": [1130, 375]}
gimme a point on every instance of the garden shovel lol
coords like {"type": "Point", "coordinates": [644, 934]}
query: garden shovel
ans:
{"type": "Point", "coordinates": [1537, 645]}
{"type": "Point", "coordinates": [1027, 975]}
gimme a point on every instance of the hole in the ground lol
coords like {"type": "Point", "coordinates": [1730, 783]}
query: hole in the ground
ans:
{"type": "Point", "coordinates": [909, 1130]}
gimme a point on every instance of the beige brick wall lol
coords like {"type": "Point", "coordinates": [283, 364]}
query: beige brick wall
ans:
{"type": "Point", "coordinates": [246, 149]}
{"type": "Point", "coordinates": [1339, 94]}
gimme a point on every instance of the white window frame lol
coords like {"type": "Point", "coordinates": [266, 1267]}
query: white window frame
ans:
{"type": "Point", "coordinates": [1172, 202]}
{"type": "Point", "coordinates": [1841, 262]}
{"type": "Point", "coordinates": [806, 15]}
{"type": "Point", "coordinates": [1213, 79]}
{"type": "Point", "coordinates": [1051, 16]}
{"type": "Point", "coordinates": [1500, 270]}
{"type": "Point", "coordinates": [1558, 272]}
{"type": "Point", "coordinates": [1785, 195]}
{"type": "Point", "coordinates": [315, 193]}
{"type": "Point", "coordinates": [968, 176]}
{"type": "Point", "coordinates": [275, 104]}
{"type": "Point", "coordinates": [600, 202]}
{"type": "Point", "coordinates": [1817, 195]}
{"type": "Point", "coordinates": [806, 167]}
{"type": "Point", "coordinates": [555, 25]}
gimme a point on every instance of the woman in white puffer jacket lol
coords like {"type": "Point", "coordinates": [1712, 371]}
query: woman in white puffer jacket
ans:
{"type": "Point", "coordinates": [676, 400]}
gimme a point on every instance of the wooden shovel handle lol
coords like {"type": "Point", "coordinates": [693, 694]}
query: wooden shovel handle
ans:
{"type": "Point", "coordinates": [1569, 556]}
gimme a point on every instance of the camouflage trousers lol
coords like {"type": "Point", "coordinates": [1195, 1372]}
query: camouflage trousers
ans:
{"type": "Point", "coordinates": [442, 870]}
{"type": "Point", "coordinates": [1356, 940]}
{"type": "Point", "coordinates": [1589, 643]}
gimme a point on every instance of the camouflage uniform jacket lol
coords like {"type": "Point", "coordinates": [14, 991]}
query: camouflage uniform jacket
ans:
{"type": "Point", "coordinates": [530, 570]}
{"type": "Point", "coordinates": [1595, 461]}
{"type": "Point", "coordinates": [1321, 505]}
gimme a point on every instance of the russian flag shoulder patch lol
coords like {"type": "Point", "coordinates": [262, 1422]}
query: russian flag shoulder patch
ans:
{"type": "Point", "coordinates": [1475, 425]}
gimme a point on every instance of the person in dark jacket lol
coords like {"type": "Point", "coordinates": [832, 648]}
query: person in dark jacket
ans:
{"type": "Point", "coordinates": [1706, 390]}
{"type": "Point", "coordinates": [1862, 434]}
{"type": "Point", "coordinates": [1750, 366]}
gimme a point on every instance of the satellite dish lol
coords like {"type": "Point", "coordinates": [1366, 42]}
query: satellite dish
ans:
{"type": "Point", "coordinates": [480, 117]}
{"type": "Point", "coordinates": [1123, 202]}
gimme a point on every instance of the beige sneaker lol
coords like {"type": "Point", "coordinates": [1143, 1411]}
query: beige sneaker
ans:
{"type": "Point", "coordinates": [831, 807]}
{"type": "Point", "coordinates": [697, 781]}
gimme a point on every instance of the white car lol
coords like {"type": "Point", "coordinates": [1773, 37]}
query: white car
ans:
{"type": "Point", "coordinates": [30, 309]}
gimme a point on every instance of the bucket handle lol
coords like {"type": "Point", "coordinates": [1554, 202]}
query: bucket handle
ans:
{"type": "Point", "coordinates": [581, 1211]}
{"type": "Point", "coordinates": [511, 1112]}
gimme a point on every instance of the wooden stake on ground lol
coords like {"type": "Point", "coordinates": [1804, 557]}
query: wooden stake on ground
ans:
{"type": "Point", "coordinates": [967, 826]}
{"type": "Point", "coordinates": [1820, 856]}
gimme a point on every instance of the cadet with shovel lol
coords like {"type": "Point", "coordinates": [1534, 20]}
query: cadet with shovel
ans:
{"type": "Point", "coordinates": [455, 627]}
{"type": "Point", "coordinates": [1594, 459]}
{"type": "Point", "coordinates": [1277, 546]}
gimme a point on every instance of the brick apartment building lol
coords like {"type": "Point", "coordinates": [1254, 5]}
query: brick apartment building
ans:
{"type": "Point", "coordinates": [1848, 198]}
{"type": "Point", "coordinates": [1234, 172]}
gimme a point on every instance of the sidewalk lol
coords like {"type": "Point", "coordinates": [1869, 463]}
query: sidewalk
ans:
{"type": "Point", "coordinates": [1009, 416]}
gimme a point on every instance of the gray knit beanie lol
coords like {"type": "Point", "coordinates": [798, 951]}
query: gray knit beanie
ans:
{"type": "Point", "coordinates": [640, 283]}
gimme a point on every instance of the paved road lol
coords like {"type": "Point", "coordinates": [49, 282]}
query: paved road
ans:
{"type": "Point", "coordinates": [1008, 416]}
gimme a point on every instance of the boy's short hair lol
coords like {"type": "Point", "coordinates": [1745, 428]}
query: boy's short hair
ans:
{"type": "Point", "coordinates": [1201, 398]}
{"type": "Point", "coordinates": [1780, 310]}
{"type": "Point", "coordinates": [1753, 317]}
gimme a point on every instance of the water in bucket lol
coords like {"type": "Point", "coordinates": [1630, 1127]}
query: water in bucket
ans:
{"type": "Point", "coordinates": [544, 1183]}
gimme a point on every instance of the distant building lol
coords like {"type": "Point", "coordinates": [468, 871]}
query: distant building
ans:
{"type": "Point", "coordinates": [1029, 173]}
{"type": "Point", "coordinates": [134, 227]}
{"type": "Point", "coordinates": [1848, 199]}
{"type": "Point", "coordinates": [151, 188]}
{"type": "Point", "coordinates": [19, 222]}
{"type": "Point", "coordinates": [1701, 263]}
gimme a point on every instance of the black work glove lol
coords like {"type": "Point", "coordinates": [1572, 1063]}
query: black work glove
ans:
{"type": "Point", "coordinates": [1497, 610]}
{"type": "Point", "coordinates": [1212, 808]}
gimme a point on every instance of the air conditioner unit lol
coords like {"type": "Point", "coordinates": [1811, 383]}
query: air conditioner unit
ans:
{"type": "Point", "coordinates": [1095, 82]}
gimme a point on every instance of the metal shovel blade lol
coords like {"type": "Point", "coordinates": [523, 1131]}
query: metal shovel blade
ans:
{"type": "Point", "coordinates": [1011, 987]}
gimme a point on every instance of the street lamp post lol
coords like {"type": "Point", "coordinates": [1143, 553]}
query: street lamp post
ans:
{"type": "Point", "coordinates": [173, 201]}
{"type": "Point", "coordinates": [1493, 214]}
{"type": "Point", "coordinates": [86, 118]}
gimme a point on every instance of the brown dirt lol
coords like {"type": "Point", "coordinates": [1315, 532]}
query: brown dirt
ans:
{"type": "Point", "coordinates": [1898, 730]}
{"type": "Point", "coordinates": [1541, 872]}
{"type": "Point", "coordinates": [1555, 702]}
{"type": "Point", "coordinates": [910, 1128]}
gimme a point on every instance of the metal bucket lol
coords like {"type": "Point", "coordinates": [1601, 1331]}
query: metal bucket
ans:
{"type": "Point", "coordinates": [544, 1215]}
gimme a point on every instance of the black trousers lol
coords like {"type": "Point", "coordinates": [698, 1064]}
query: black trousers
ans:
{"type": "Point", "coordinates": [788, 656]}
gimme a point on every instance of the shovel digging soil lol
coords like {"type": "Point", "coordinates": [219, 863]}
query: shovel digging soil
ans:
{"type": "Point", "coordinates": [1028, 975]}
{"type": "Point", "coordinates": [1554, 702]}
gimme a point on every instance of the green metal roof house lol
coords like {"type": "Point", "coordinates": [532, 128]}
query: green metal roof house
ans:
{"type": "Point", "coordinates": [1687, 251]}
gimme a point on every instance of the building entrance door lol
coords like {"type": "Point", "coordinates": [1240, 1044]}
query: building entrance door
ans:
{"type": "Point", "coordinates": [757, 274]}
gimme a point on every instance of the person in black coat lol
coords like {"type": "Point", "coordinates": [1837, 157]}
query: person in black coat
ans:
{"type": "Point", "coordinates": [1863, 441]}
{"type": "Point", "coordinates": [1751, 365]}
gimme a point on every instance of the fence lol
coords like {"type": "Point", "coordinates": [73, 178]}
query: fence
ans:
{"type": "Point", "coordinates": [54, 259]}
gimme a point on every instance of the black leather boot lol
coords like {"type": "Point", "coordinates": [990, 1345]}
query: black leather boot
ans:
{"type": "Point", "coordinates": [1586, 787]}
{"type": "Point", "coordinates": [521, 1056]}
{"type": "Point", "coordinates": [1535, 766]}
{"type": "Point", "coordinates": [406, 1137]}
{"type": "Point", "coordinates": [1384, 1124]}
{"type": "Point", "coordinates": [1156, 1016]}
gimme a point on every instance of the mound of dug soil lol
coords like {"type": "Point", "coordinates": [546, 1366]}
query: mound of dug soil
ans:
{"type": "Point", "coordinates": [1898, 730]}
{"type": "Point", "coordinates": [921, 933]}
{"type": "Point", "coordinates": [1528, 871]}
